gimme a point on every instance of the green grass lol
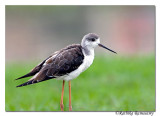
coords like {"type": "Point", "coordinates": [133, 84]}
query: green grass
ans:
{"type": "Point", "coordinates": [110, 84]}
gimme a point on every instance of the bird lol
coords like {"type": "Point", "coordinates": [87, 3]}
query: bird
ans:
{"type": "Point", "coordinates": [66, 64]}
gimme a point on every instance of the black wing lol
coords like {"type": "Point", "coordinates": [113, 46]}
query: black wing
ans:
{"type": "Point", "coordinates": [33, 71]}
{"type": "Point", "coordinates": [64, 62]}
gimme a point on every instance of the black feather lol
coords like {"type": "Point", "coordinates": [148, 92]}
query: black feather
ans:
{"type": "Point", "coordinates": [34, 81]}
{"type": "Point", "coordinates": [34, 71]}
{"type": "Point", "coordinates": [66, 62]}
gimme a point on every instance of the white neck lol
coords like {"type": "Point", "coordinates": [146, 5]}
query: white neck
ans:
{"type": "Point", "coordinates": [88, 51]}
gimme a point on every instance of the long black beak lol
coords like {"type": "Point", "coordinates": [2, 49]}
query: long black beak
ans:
{"type": "Point", "coordinates": [106, 48]}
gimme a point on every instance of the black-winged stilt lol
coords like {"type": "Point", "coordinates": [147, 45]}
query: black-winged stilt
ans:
{"type": "Point", "coordinates": [66, 64]}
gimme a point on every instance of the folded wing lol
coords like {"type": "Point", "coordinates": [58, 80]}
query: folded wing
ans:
{"type": "Point", "coordinates": [59, 64]}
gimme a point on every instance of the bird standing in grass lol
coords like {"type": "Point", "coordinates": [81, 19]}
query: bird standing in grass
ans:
{"type": "Point", "coordinates": [66, 64]}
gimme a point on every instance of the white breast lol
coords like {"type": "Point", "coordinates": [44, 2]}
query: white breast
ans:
{"type": "Point", "coordinates": [88, 60]}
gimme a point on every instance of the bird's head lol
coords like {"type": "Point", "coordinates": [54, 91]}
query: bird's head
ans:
{"type": "Point", "coordinates": [91, 41]}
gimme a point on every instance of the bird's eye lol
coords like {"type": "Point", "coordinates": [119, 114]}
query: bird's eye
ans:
{"type": "Point", "coordinates": [92, 39]}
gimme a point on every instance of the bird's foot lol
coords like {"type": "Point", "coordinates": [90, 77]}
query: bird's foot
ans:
{"type": "Point", "coordinates": [62, 107]}
{"type": "Point", "coordinates": [70, 108]}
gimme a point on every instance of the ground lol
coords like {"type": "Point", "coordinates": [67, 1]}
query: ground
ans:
{"type": "Point", "coordinates": [110, 84]}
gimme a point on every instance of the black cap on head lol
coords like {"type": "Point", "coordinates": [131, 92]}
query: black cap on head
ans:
{"type": "Point", "coordinates": [91, 36]}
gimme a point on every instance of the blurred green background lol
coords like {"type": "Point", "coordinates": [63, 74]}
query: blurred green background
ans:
{"type": "Point", "coordinates": [122, 82]}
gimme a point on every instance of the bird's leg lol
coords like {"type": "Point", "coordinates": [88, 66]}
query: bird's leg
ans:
{"type": "Point", "coordinates": [70, 105]}
{"type": "Point", "coordinates": [61, 104]}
